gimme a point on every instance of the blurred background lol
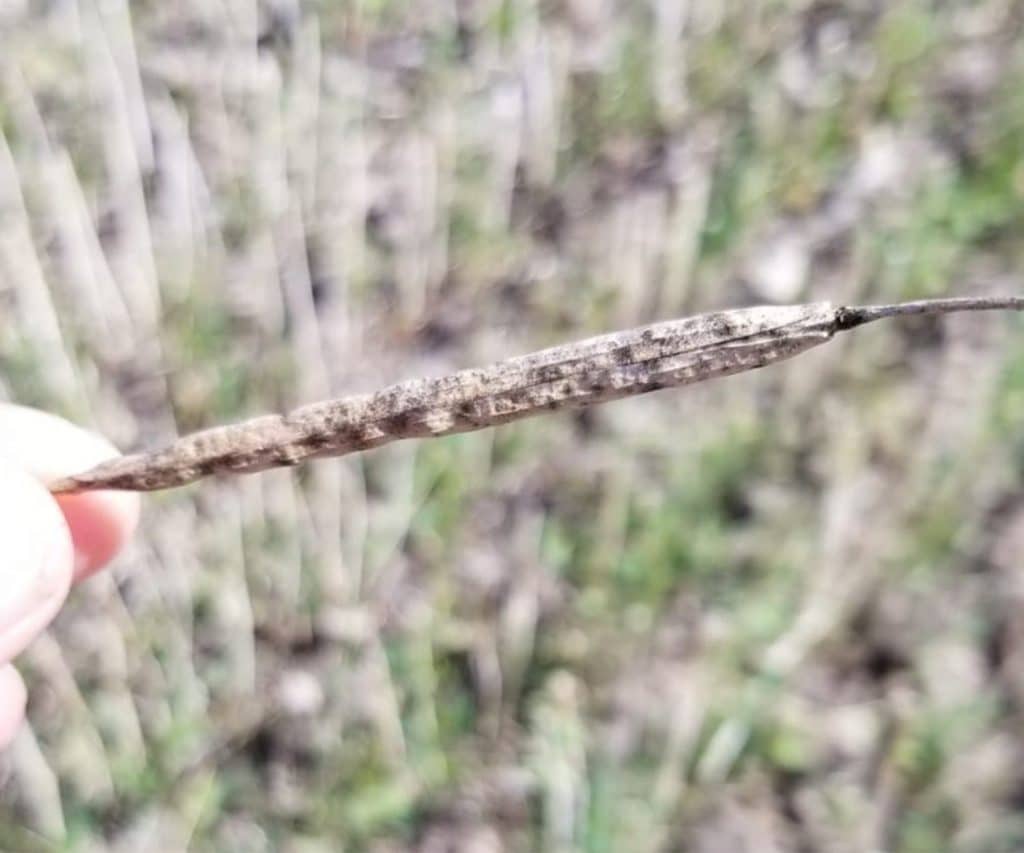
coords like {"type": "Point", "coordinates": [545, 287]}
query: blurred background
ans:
{"type": "Point", "coordinates": [777, 612]}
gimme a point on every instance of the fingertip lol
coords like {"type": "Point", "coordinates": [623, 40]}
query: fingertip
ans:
{"type": "Point", "coordinates": [100, 524]}
{"type": "Point", "coordinates": [36, 569]}
{"type": "Point", "coordinates": [49, 447]}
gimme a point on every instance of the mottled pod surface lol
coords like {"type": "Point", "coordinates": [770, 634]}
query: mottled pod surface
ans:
{"type": "Point", "coordinates": [584, 373]}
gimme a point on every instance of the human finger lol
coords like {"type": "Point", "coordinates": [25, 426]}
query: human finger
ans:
{"type": "Point", "coordinates": [36, 559]}
{"type": "Point", "coordinates": [49, 447]}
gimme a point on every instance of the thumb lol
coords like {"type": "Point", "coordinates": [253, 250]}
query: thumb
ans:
{"type": "Point", "coordinates": [36, 559]}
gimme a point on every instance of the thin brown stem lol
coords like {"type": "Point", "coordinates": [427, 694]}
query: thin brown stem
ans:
{"type": "Point", "coordinates": [851, 317]}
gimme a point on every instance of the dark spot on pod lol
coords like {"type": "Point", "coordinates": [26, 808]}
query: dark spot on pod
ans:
{"type": "Point", "coordinates": [207, 467]}
{"type": "Point", "coordinates": [229, 460]}
{"type": "Point", "coordinates": [623, 356]}
{"type": "Point", "coordinates": [366, 436]}
{"type": "Point", "coordinates": [550, 372]}
{"type": "Point", "coordinates": [347, 434]}
{"type": "Point", "coordinates": [467, 415]}
{"type": "Point", "coordinates": [722, 325]}
{"type": "Point", "coordinates": [497, 406]}
{"type": "Point", "coordinates": [596, 382]}
{"type": "Point", "coordinates": [654, 385]}
{"type": "Point", "coordinates": [130, 481]}
{"type": "Point", "coordinates": [647, 336]}
{"type": "Point", "coordinates": [318, 440]}
{"type": "Point", "coordinates": [288, 455]}
{"type": "Point", "coordinates": [396, 423]}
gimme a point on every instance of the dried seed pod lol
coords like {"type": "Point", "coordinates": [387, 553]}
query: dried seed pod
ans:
{"type": "Point", "coordinates": [596, 370]}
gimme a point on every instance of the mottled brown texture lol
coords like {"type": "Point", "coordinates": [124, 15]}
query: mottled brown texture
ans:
{"type": "Point", "coordinates": [650, 358]}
